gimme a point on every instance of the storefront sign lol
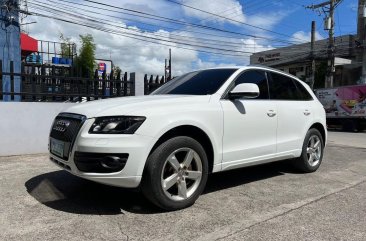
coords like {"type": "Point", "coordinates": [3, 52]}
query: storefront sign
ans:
{"type": "Point", "coordinates": [269, 58]}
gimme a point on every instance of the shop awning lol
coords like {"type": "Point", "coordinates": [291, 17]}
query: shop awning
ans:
{"type": "Point", "coordinates": [28, 44]}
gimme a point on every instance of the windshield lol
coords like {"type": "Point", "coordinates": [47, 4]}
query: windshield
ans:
{"type": "Point", "coordinates": [203, 82]}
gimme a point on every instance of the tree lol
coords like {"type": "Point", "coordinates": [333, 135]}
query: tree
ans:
{"type": "Point", "coordinates": [86, 59]}
{"type": "Point", "coordinates": [66, 46]}
{"type": "Point", "coordinates": [116, 70]}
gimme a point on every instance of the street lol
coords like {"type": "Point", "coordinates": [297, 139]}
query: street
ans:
{"type": "Point", "coordinates": [268, 202]}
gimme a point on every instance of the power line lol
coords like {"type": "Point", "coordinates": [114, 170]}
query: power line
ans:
{"type": "Point", "coordinates": [141, 38]}
{"type": "Point", "coordinates": [88, 18]}
{"type": "Point", "coordinates": [133, 20]}
{"type": "Point", "coordinates": [97, 21]}
{"type": "Point", "coordinates": [189, 38]}
{"type": "Point", "coordinates": [230, 19]}
{"type": "Point", "coordinates": [176, 21]}
{"type": "Point", "coordinates": [200, 26]}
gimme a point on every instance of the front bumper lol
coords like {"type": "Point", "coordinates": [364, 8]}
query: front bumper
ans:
{"type": "Point", "coordinates": [136, 146]}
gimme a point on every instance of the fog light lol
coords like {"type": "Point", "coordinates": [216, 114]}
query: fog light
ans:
{"type": "Point", "coordinates": [112, 162]}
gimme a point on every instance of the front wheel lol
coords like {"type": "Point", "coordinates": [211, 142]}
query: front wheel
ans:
{"type": "Point", "coordinates": [176, 173]}
{"type": "Point", "coordinates": [312, 152]}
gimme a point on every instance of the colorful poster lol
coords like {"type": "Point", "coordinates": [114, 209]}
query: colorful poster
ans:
{"type": "Point", "coordinates": [347, 101]}
{"type": "Point", "coordinates": [102, 68]}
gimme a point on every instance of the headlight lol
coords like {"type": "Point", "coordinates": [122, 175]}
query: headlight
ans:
{"type": "Point", "coordinates": [116, 124]}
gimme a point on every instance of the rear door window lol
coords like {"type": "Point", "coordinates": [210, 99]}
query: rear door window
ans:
{"type": "Point", "coordinates": [282, 87]}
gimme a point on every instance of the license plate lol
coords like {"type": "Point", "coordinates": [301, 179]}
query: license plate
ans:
{"type": "Point", "coordinates": [57, 147]}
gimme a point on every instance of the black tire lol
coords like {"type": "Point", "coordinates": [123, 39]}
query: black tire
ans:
{"type": "Point", "coordinates": [302, 163]}
{"type": "Point", "coordinates": [151, 185]}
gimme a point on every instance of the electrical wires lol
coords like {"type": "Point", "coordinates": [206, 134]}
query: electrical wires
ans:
{"type": "Point", "coordinates": [229, 19]}
{"type": "Point", "coordinates": [185, 35]}
{"type": "Point", "coordinates": [92, 21]}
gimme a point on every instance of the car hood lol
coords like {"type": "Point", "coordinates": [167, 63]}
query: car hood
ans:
{"type": "Point", "coordinates": [128, 105]}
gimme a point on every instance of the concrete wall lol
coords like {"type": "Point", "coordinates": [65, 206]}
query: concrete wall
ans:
{"type": "Point", "coordinates": [139, 84]}
{"type": "Point", "coordinates": [24, 127]}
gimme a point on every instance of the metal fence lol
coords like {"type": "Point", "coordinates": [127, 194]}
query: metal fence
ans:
{"type": "Point", "coordinates": [57, 87]}
{"type": "Point", "coordinates": [152, 83]}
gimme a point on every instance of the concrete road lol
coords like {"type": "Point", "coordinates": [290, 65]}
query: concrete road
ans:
{"type": "Point", "coordinates": [269, 202]}
{"type": "Point", "coordinates": [347, 139]}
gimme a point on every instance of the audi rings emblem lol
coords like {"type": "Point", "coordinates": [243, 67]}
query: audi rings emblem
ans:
{"type": "Point", "coordinates": [61, 125]}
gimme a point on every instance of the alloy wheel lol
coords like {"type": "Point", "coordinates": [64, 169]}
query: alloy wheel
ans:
{"type": "Point", "coordinates": [314, 150]}
{"type": "Point", "coordinates": [181, 174]}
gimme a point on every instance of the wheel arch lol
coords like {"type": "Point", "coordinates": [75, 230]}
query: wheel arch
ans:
{"type": "Point", "coordinates": [321, 129]}
{"type": "Point", "coordinates": [191, 131]}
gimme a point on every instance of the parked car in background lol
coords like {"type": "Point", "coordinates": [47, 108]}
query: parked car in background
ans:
{"type": "Point", "coordinates": [201, 122]}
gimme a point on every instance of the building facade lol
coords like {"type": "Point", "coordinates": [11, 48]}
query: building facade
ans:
{"type": "Point", "coordinates": [297, 60]}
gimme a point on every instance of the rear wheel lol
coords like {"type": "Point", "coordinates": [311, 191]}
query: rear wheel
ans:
{"type": "Point", "coordinates": [312, 152]}
{"type": "Point", "coordinates": [176, 173]}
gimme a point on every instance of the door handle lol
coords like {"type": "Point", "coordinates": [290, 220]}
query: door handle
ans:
{"type": "Point", "coordinates": [306, 112]}
{"type": "Point", "coordinates": [271, 113]}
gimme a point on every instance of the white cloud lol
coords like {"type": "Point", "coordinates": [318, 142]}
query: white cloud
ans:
{"type": "Point", "coordinates": [130, 54]}
{"type": "Point", "coordinates": [137, 56]}
{"type": "Point", "coordinates": [266, 20]}
{"type": "Point", "coordinates": [305, 36]}
{"type": "Point", "coordinates": [208, 64]}
{"type": "Point", "coordinates": [222, 7]}
{"type": "Point", "coordinates": [251, 45]}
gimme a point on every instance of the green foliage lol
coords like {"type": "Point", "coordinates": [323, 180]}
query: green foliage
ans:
{"type": "Point", "coordinates": [116, 70]}
{"type": "Point", "coordinates": [66, 46]}
{"type": "Point", "coordinates": [86, 59]}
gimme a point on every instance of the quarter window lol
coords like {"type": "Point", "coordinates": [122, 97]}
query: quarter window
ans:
{"type": "Point", "coordinates": [305, 95]}
{"type": "Point", "coordinates": [255, 77]}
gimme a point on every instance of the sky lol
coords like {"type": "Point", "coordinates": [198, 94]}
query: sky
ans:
{"type": "Point", "coordinates": [244, 27]}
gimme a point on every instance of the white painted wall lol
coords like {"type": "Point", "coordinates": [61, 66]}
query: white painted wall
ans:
{"type": "Point", "coordinates": [139, 83]}
{"type": "Point", "coordinates": [24, 127]}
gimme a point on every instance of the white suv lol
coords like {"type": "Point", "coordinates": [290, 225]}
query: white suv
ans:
{"type": "Point", "coordinates": [201, 122]}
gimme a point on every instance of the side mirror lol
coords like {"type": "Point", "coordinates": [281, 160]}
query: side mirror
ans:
{"type": "Point", "coordinates": [246, 90]}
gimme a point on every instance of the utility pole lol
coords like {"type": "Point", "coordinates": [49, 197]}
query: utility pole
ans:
{"type": "Point", "coordinates": [313, 28]}
{"type": "Point", "coordinates": [165, 71]}
{"type": "Point", "coordinates": [361, 37]}
{"type": "Point", "coordinates": [331, 68]}
{"type": "Point", "coordinates": [170, 64]}
{"type": "Point", "coordinates": [329, 25]}
{"type": "Point", "coordinates": [168, 67]}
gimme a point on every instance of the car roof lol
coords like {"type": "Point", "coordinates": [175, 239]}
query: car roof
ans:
{"type": "Point", "coordinates": [253, 66]}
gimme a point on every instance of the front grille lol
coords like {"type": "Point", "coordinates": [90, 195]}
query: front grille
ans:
{"type": "Point", "coordinates": [69, 132]}
{"type": "Point", "coordinates": [65, 128]}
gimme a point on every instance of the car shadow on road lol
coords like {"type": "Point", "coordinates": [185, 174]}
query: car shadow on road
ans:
{"type": "Point", "coordinates": [62, 191]}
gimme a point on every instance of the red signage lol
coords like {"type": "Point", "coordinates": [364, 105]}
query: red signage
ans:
{"type": "Point", "coordinates": [102, 67]}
